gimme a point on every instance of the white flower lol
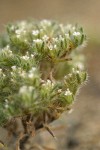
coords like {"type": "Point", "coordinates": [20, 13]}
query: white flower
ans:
{"type": "Point", "coordinates": [73, 70]}
{"type": "Point", "coordinates": [23, 23]}
{"type": "Point", "coordinates": [22, 74]}
{"type": "Point", "coordinates": [31, 72]}
{"type": "Point", "coordinates": [27, 53]}
{"type": "Point", "coordinates": [12, 80]}
{"type": "Point", "coordinates": [26, 40]}
{"type": "Point", "coordinates": [35, 32]}
{"type": "Point", "coordinates": [6, 100]}
{"type": "Point", "coordinates": [60, 90]}
{"type": "Point", "coordinates": [73, 28]}
{"type": "Point", "coordinates": [6, 103]}
{"type": "Point", "coordinates": [62, 27]}
{"type": "Point", "coordinates": [13, 67]}
{"type": "Point", "coordinates": [8, 47]}
{"type": "Point", "coordinates": [77, 71]}
{"type": "Point", "coordinates": [18, 36]}
{"type": "Point", "coordinates": [18, 31]}
{"type": "Point", "coordinates": [45, 22]}
{"type": "Point", "coordinates": [23, 89]}
{"type": "Point", "coordinates": [55, 39]}
{"type": "Point", "coordinates": [30, 75]}
{"type": "Point", "coordinates": [4, 75]}
{"type": "Point", "coordinates": [48, 83]}
{"type": "Point", "coordinates": [24, 31]}
{"type": "Point", "coordinates": [12, 73]}
{"type": "Point", "coordinates": [50, 46]}
{"type": "Point", "coordinates": [41, 30]}
{"type": "Point", "coordinates": [65, 77]}
{"type": "Point", "coordinates": [12, 27]}
{"type": "Point", "coordinates": [9, 52]}
{"type": "Point", "coordinates": [32, 55]}
{"type": "Point", "coordinates": [68, 93]}
{"type": "Point", "coordinates": [39, 41]}
{"type": "Point", "coordinates": [25, 57]}
{"type": "Point", "coordinates": [55, 46]}
{"type": "Point", "coordinates": [30, 88]}
{"type": "Point", "coordinates": [76, 33]}
{"type": "Point", "coordinates": [61, 38]}
{"type": "Point", "coordinates": [26, 89]}
{"type": "Point", "coordinates": [80, 65]}
{"type": "Point", "coordinates": [45, 38]}
{"type": "Point", "coordinates": [33, 69]}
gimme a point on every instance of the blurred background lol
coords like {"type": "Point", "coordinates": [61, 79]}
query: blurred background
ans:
{"type": "Point", "coordinates": [79, 130]}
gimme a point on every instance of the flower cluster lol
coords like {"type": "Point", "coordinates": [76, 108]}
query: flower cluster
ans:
{"type": "Point", "coordinates": [36, 75]}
